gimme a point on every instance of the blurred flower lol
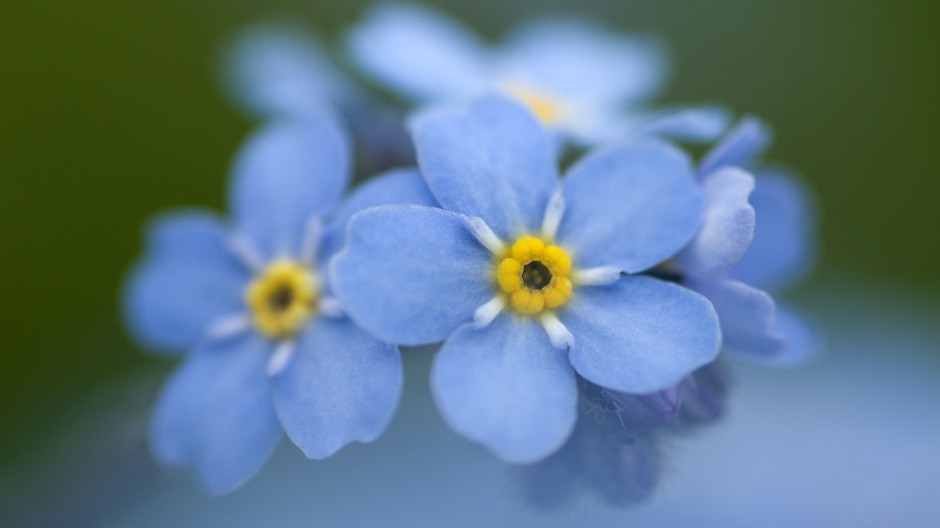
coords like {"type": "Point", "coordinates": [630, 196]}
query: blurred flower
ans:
{"type": "Point", "coordinates": [732, 257]}
{"type": "Point", "coordinates": [509, 240]}
{"type": "Point", "coordinates": [269, 344]}
{"type": "Point", "coordinates": [579, 78]}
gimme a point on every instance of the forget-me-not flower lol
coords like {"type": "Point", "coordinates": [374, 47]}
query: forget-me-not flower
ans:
{"type": "Point", "coordinates": [756, 234]}
{"type": "Point", "coordinates": [521, 274]}
{"type": "Point", "coordinates": [579, 78]}
{"type": "Point", "coordinates": [269, 345]}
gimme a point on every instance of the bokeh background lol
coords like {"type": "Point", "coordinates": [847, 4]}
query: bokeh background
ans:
{"type": "Point", "coordinates": [110, 112]}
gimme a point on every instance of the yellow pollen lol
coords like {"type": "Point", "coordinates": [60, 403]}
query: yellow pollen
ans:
{"type": "Point", "coordinates": [282, 298]}
{"type": "Point", "coordinates": [546, 108]}
{"type": "Point", "coordinates": [534, 276]}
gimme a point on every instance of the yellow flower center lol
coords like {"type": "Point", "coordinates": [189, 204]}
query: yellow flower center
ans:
{"type": "Point", "coordinates": [534, 276]}
{"type": "Point", "coordinates": [282, 298]}
{"type": "Point", "coordinates": [546, 108]}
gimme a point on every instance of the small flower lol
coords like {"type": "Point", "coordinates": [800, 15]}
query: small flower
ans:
{"type": "Point", "coordinates": [520, 273]}
{"type": "Point", "coordinates": [579, 78]}
{"type": "Point", "coordinates": [756, 234]}
{"type": "Point", "coordinates": [269, 344]}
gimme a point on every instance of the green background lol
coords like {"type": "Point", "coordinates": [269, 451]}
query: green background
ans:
{"type": "Point", "coordinates": [109, 112]}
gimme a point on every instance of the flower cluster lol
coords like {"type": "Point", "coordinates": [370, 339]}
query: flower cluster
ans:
{"type": "Point", "coordinates": [584, 309]}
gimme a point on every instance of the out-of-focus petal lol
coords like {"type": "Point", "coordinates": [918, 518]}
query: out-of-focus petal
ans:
{"type": "Point", "coordinates": [411, 275]}
{"type": "Point", "coordinates": [506, 387]}
{"type": "Point", "coordinates": [186, 281]}
{"type": "Point", "coordinates": [493, 161]}
{"type": "Point", "coordinates": [341, 385]}
{"type": "Point", "coordinates": [741, 146]}
{"type": "Point", "coordinates": [783, 249]}
{"type": "Point", "coordinates": [693, 124]}
{"type": "Point", "coordinates": [727, 227]}
{"type": "Point", "coordinates": [419, 52]}
{"type": "Point", "coordinates": [803, 339]}
{"type": "Point", "coordinates": [217, 415]}
{"type": "Point", "coordinates": [640, 335]}
{"type": "Point", "coordinates": [632, 206]}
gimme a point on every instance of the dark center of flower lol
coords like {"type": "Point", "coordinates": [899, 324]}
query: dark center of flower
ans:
{"type": "Point", "coordinates": [536, 275]}
{"type": "Point", "coordinates": [281, 298]}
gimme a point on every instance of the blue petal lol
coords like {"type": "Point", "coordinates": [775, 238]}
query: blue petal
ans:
{"type": "Point", "coordinates": [803, 340]}
{"type": "Point", "coordinates": [273, 70]}
{"type": "Point", "coordinates": [630, 411]}
{"type": "Point", "coordinates": [400, 186]}
{"type": "Point", "coordinates": [493, 161]}
{"type": "Point", "coordinates": [747, 318]}
{"type": "Point", "coordinates": [704, 395]}
{"type": "Point", "coordinates": [741, 147]}
{"type": "Point", "coordinates": [783, 248]}
{"type": "Point", "coordinates": [187, 280]}
{"type": "Point", "coordinates": [621, 468]}
{"type": "Point", "coordinates": [287, 173]}
{"type": "Point", "coordinates": [418, 52]}
{"type": "Point", "coordinates": [506, 387]}
{"type": "Point", "coordinates": [411, 275]}
{"type": "Point", "coordinates": [640, 335]}
{"type": "Point", "coordinates": [694, 124]}
{"type": "Point", "coordinates": [727, 228]}
{"type": "Point", "coordinates": [585, 62]}
{"type": "Point", "coordinates": [216, 414]}
{"type": "Point", "coordinates": [631, 207]}
{"type": "Point", "coordinates": [341, 386]}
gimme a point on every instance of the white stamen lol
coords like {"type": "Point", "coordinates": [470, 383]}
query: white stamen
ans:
{"type": "Point", "coordinates": [598, 276]}
{"type": "Point", "coordinates": [558, 333]}
{"type": "Point", "coordinates": [246, 252]}
{"type": "Point", "coordinates": [485, 235]}
{"type": "Point", "coordinates": [553, 214]}
{"type": "Point", "coordinates": [486, 313]}
{"type": "Point", "coordinates": [331, 307]}
{"type": "Point", "coordinates": [281, 357]}
{"type": "Point", "coordinates": [229, 326]}
{"type": "Point", "coordinates": [313, 234]}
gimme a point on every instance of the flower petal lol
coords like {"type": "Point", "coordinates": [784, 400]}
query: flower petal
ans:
{"type": "Point", "coordinates": [640, 335]}
{"type": "Point", "coordinates": [418, 52]}
{"type": "Point", "coordinates": [492, 161]}
{"type": "Point", "coordinates": [411, 275]}
{"type": "Point", "coordinates": [783, 248]}
{"type": "Point", "coordinates": [803, 340]}
{"type": "Point", "coordinates": [399, 186]}
{"type": "Point", "coordinates": [278, 70]}
{"type": "Point", "coordinates": [286, 173]}
{"type": "Point", "coordinates": [727, 228]}
{"type": "Point", "coordinates": [342, 385]}
{"type": "Point", "coordinates": [506, 387]}
{"type": "Point", "coordinates": [694, 124]}
{"type": "Point", "coordinates": [187, 280]}
{"type": "Point", "coordinates": [747, 318]}
{"type": "Point", "coordinates": [216, 413]}
{"type": "Point", "coordinates": [741, 146]}
{"type": "Point", "coordinates": [585, 62]}
{"type": "Point", "coordinates": [632, 207]}
{"type": "Point", "coordinates": [629, 411]}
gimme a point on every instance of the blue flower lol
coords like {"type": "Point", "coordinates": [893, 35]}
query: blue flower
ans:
{"type": "Point", "coordinates": [756, 233]}
{"type": "Point", "coordinates": [520, 273]}
{"type": "Point", "coordinates": [269, 345]}
{"type": "Point", "coordinates": [579, 78]}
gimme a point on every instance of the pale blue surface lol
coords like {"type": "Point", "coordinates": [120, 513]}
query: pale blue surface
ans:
{"type": "Point", "coordinates": [845, 442]}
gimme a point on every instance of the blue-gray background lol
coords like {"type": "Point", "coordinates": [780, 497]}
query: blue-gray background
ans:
{"type": "Point", "coordinates": [109, 112]}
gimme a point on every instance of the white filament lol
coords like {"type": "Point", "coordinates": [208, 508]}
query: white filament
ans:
{"type": "Point", "coordinates": [558, 333]}
{"type": "Point", "coordinates": [485, 235]}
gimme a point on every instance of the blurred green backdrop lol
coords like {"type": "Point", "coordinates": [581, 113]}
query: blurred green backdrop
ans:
{"type": "Point", "coordinates": [110, 112]}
